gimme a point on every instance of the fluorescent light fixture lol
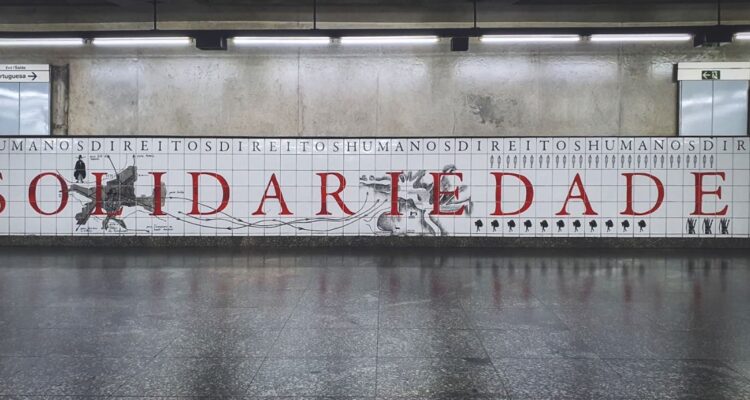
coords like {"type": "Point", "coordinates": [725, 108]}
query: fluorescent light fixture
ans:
{"type": "Point", "coordinates": [389, 39]}
{"type": "Point", "coordinates": [271, 40]}
{"type": "Point", "coordinates": [666, 37]}
{"type": "Point", "coordinates": [529, 38]}
{"type": "Point", "coordinates": [141, 41]}
{"type": "Point", "coordinates": [41, 42]}
{"type": "Point", "coordinates": [742, 36]}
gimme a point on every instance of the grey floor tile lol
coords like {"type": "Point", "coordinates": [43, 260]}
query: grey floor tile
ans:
{"type": "Point", "coordinates": [681, 379]}
{"type": "Point", "coordinates": [71, 376]}
{"type": "Point", "coordinates": [334, 317]}
{"type": "Point", "coordinates": [743, 367]}
{"type": "Point", "coordinates": [233, 342]}
{"type": "Point", "coordinates": [560, 379]}
{"type": "Point", "coordinates": [534, 342]}
{"type": "Point", "coordinates": [514, 317]}
{"type": "Point", "coordinates": [234, 318]}
{"type": "Point", "coordinates": [303, 342]}
{"type": "Point", "coordinates": [315, 377]}
{"type": "Point", "coordinates": [436, 378]}
{"type": "Point", "coordinates": [192, 377]}
{"type": "Point", "coordinates": [423, 316]}
{"type": "Point", "coordinates": [460, 343]}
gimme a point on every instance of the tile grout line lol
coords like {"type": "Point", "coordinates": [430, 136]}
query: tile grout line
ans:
{"type": "Point", "coordinates": [283, 326]}
{"type": "Point", "coordinates": [475, 331]}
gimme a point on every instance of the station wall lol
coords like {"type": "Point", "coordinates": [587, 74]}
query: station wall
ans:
{"type": "Point", "coordinates": [520, 90]}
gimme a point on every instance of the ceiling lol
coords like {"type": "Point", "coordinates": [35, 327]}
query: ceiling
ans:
{"type": "Point", "coordinates": [74, 15]}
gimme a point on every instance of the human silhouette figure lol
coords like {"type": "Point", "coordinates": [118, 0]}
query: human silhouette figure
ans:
{"type": "Point", "coordinates": [80, 170]}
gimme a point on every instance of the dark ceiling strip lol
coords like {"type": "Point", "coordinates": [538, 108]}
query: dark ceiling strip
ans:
{"type": "Point", "coordinates": [336, 33]}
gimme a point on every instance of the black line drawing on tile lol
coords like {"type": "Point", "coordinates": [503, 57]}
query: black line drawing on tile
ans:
{"type": "Point", "coordinates": [724, 225]}
{"type": "Point", "coordinates": [691, 225]}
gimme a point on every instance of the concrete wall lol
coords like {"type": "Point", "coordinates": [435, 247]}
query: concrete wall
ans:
{"type": "Point", "coordinates": [578, 89]}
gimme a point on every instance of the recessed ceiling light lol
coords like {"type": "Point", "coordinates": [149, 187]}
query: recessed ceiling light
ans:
{"type": "Point", "coordinates": [389, 39]}
{"type": "Point", "coordinates": [41, 42]}
{"type": "Point", "coordinates": [529, 38]}
{"type": "Point", "coordinates": [666, 37]}
{"type": "Point", "coordinates": [141, 41]}
{"type": "Point", "coordinates": [271, 40]}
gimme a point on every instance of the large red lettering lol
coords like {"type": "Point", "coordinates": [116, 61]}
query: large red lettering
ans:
{"type": "Point", "coordinates": [577, 183]}
{"type": "Point", "coordinates": [278, 195]}
{"type": "Point", "coordinates": [224, 193]}
{"type": "Point", "coordinates": [699, 193]}
{"type": "Point", "coordinates": [157, 193]}
{"type": "Point", "coordinates": [438, 192]}
{"type": "Point", "coordinates": [395, 176]}
{"type": "Point", "coordinates": [32, 193]}
{"type": "Point", "coordinates": [529, 198]}
{"type": "Point", "coordinates": [2, 199]}
{"type": "Point", "coordinates": [336, 194]}
{"type": "Point", "coordinates": [629, 210]}
{"type": "Point", "coordinates": [99, 195]}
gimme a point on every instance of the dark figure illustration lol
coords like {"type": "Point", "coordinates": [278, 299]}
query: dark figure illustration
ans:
{"type": "Point", "coordinates": [707, 226]}
{"type": "Point", "coordinates": [691, 223]}
{"type": "Point", "coordinates": [641, 224]}
{"type": "Point", "coordinates": [625, 225]}
{"type": "Point", "coordinates": [576, 225]}
{"type": "Point", "coordinates": [80, 170]}
{"type": "Point", "coordinates": [544, 225]}
{"type": "Point", "coordinates": [593, 224]}
{"type": "Point", "coordinates": [494, 225]}
{"type": "Point", "coordinates": [511, 225]}
{"type": "Point", "coordinates": [527, 224]}
{"type": "Point", "coordinates": [724, 225]}
{"type": "Point", "coordinates": [560, 225]}
{"type": "Point", "coordinates": [479, 224]}
{"type": "Point", "coordinates": [609, 225]}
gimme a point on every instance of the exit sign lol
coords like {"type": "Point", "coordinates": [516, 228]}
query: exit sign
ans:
{"type": "Point", "coordinates": [711, 75]}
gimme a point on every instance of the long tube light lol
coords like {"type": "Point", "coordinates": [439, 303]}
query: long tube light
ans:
{"type": "Point", "coordinates": [665, 37]}
{"type": "Point", "coordinates": [742, 36]}
{"type": "Point", "coordinates": [52, 42]}
{"type": "Point", "coordinates": [271, 40]}
{"type": "Point", "coordinates": [529, 38]}
{"type": "Point", "coordinates": [141, 41]}
{"type": "Point", "coordinates": [389, 39]}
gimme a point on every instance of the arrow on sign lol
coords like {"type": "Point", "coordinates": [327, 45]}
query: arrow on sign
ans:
{"type": "Point", "coordinates": [33, 76]}
{"type": "Point", "coordinates": [710, 75]}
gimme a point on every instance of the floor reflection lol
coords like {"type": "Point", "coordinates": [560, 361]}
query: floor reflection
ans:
{"type": "Point", "coordinates": [374, 324]}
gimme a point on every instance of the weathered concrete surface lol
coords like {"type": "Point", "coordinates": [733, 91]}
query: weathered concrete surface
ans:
{"type": "Point", "coordinates": [492, 90]}
{"type": "Point", "coordinates": [374, 242]}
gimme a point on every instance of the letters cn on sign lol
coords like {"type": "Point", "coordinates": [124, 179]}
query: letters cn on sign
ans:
{"type": "Point", "coordinates": [554, 187]}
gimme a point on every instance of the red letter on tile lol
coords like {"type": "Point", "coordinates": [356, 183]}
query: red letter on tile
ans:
{"type": "Point", "coordinates": [437, 193]}
{"type": "Point", "coordinates": [699, 193]}
{"type": "Point", "coordinates": [394, 193]}
{"type": "Point", "coordinates": [2, 199]}
{"type": "Point", "coordinates": [157, 193]}
{"type": "Point", "coordinates": [499, 193]}
{"type": "Point", "coordinates": [32, 193]}
{"type": "Point", "coordinates": [277, 195]}
{"type": "Point", "coordinates": [629, 196]}
{"type": "Point", "coordinates": [580, 196]}
{"type": "Point", "coordinates": [224, 193]}
{"type": "Point", "coordinates": [335, 194]}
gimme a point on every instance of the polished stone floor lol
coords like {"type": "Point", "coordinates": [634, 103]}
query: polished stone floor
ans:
{"type": "Point", "coordinates": [374, 324]}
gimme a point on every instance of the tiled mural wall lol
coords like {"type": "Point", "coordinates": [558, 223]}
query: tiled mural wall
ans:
{"type": "Point", "coordinates": [544, 186]}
